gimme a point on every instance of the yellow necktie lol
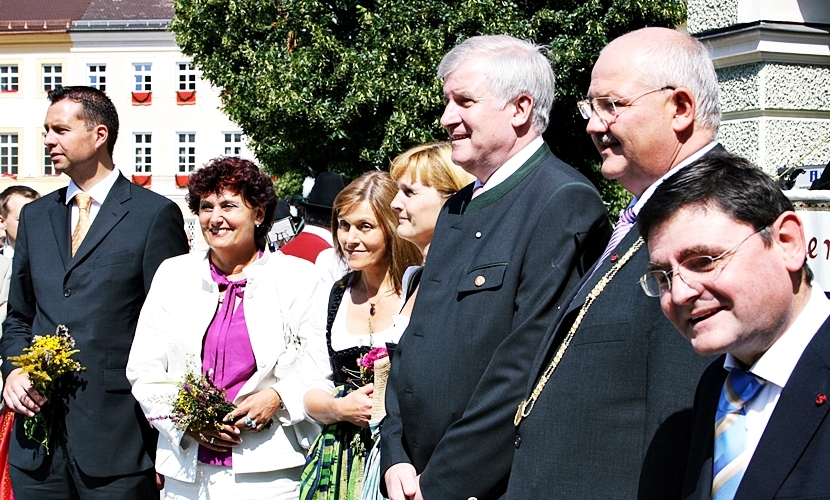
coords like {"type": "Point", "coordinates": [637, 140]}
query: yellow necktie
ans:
{"type": "Point", "coordinates": [83, 200]}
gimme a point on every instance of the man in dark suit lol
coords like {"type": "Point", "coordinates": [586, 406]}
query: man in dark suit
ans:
{"type": "Point", "coordinates": [728, 265]}
{"type": "Point", "coordinates": [84, 258]}
{"type": "Point", "coordinates": [607, 409]}
{"type": "Point", "coordinates": [506, 251]}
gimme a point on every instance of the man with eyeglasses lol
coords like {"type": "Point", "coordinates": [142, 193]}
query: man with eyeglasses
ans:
{"type": "Point", "coordinates": [607, 410]}
{"type": "Point", "coordinates": [728, 266]}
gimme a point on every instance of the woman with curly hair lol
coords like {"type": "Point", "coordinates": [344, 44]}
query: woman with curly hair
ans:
{"type": "Point", "coordinates": [241, 315]}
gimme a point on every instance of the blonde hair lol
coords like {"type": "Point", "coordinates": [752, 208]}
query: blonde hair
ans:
{"type": "Point", "coordinates": [431, 164]}
{"type": "Point", "coordinates": [378, 189]}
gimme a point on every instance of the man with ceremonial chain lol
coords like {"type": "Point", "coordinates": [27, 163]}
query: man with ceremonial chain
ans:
{"type": "Point", "coordinates": [607, 408]}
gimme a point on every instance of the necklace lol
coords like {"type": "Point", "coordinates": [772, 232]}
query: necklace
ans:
{"type": "Point", "coordinates": [372, 309]}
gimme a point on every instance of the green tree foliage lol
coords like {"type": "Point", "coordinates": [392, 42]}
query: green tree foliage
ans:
{"type": "Point", "coordinates": [346, 85]}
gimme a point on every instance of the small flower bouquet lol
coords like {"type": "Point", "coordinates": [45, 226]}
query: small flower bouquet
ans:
{"type": "Point", "coordinates": [199, 404]}
{"type": "Point", "coordinates": [367, 363]}
{"type": "Point", "coordinates": [48, 359]}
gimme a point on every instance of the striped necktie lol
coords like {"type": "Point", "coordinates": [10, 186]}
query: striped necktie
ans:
{"type": "Point", "coordinates": [627, 219]}
{"type": "Point", "coordinates": [731, 457]}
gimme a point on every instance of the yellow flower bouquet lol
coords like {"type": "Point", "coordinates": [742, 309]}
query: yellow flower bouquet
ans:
{"type": "Point", "coordinates": [48, 359]}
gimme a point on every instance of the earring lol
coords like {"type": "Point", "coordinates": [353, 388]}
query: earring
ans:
{"type": "Point", "coordinates": [258, 224]}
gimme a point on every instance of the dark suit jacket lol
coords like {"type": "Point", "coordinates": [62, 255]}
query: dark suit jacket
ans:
{"type": "Point", "coordinates": [98, 295]}
{"type": "Point", "coordinates": [614, 421]}
{"type": "Point", "coordinates": [495, 276]}
{"type": "Point", "coordinates": [792, 459]}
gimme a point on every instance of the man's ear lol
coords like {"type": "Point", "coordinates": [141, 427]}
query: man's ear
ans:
{"type": "Point", "coordinates": [684, 110]}
{"type": "Point", "coordinates": [788, 236]}
{"type": "Point", "coordinates": [523, 110]}
{"type": "Point", "coordinates": [102, 134]}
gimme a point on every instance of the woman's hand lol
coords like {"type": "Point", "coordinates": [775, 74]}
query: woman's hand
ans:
{"type": "Point", "coordinates": [221, 440]}
{"type": "Point", "coordinates": [356, 407]}
{"type": "Point", "coordinates": [258, 407]}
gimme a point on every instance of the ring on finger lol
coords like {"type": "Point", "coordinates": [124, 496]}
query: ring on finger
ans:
{"type": "Point", "coordinates": [202, 437]}
{"type": "Point", "coordinates": [250, 423]}
{"type": "Point", "coordinates": [211, 440]}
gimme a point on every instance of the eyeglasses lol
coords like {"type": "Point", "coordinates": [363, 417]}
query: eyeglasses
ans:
{"type": "Point", "coordinates": [692, 271]}
{"type": "Point", "coordinates": [606, 107]}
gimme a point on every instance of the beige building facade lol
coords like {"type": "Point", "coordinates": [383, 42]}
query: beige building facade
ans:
{"type": "Point", "coordinates": [170, 119]}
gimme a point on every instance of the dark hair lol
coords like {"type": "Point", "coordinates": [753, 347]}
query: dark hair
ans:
{"type": "Point", "coordinates": [96, 109]}
{"type": "Point", "coordinates": [240, 177]}
{"type": "Point", "coordinates": [317, 217]}
{"type": "Point", "coordinates": [378, 189]}
{"type": "Point", "coordinates": [24, 191]}
{"type": "Point", "coordinates": [724, 181]}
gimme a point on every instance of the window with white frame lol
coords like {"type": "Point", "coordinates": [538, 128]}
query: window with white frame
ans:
{"type": "Point", "coordinates": [96, 76]}
{"type": "Point", "coordinates": [52, 77]}
{"type": "Point", "coordinates": [48, 168]}
{"type": "Point", "coordinates": [187, 152]}
{"type": "Point", "coordinates": [8, 154]}
{"type": "Point", "coordinates": [143, 153]}
{"type": "Point", "coordinates": [187, 76]}
{"type": "Point", "coordinates": [142, 79]}
{"type": "Point", "coordinates": [9, 78]}
{"type": "Point", "coordinates": [233, 143]}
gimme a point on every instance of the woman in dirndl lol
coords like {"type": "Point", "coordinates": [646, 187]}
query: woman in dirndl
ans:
{"type": "Point", "coordinates": [351, 330]}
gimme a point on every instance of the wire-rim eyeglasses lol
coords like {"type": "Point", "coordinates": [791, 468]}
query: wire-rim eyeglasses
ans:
{"type": "Point", "coordinates": [692, 271]}
{"type": "Point", "coordinates": [606, 108]}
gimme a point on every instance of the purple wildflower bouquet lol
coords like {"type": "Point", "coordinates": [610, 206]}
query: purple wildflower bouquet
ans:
{"type": "Point", "coordinates": [199, 404]}
{"type": "Point", "coordinates": [367, 363]}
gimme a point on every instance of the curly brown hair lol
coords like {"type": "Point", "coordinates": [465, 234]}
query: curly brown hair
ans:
{"type": "Point", "coordinates": [240, 177]}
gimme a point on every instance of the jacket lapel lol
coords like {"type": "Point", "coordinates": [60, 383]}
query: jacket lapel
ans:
{"type": "Point", "coordinates": [59, 217]}
{"type": "Point", "coordinates": [793, 422]}
{"type": "Point", "coordinates": [111, 212]}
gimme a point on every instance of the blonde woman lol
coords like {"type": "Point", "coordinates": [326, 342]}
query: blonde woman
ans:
{"type": "Point", "coordinates": [426, 178]}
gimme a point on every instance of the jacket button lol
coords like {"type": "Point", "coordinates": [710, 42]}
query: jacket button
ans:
{"type": "Point", "coordinates": [67, 292]}
{"type": "Point", "coordinates": [478, 234]}
{"type": "Point", "coordinates": [479, 280]}
{"type": "Point", "coordinates": [518, 441]}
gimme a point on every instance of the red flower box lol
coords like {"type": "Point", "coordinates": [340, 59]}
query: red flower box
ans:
{"type": "Point", "coordinates": [142, 98]}
{"type": "Point", "coordinates": [181, 180]}
{"type": "Point", "coordinates": [143, 180]}
{"type": "Point", "coordinates": [185, 97]}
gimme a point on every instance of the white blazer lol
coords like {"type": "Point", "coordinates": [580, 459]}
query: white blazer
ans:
{"type": "Point", "coordinates": [179, 308]}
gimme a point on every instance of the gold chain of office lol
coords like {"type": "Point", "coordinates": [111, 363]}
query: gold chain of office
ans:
{"type": "Point", "coordinates": [526, 406]}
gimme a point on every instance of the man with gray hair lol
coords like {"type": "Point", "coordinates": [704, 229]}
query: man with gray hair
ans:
{"type": "Point", "coordinates": [507, 251]}
{"type": "Point", "coordinates": [607, 409]}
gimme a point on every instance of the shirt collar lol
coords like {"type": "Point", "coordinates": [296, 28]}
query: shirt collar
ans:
{"type": "Point", "coordinates": [777, 364]}
{"type": "Point", "coordinates": [98, 192]}
{"type": "Point", "coordinates": [639, 202]}
{"type": "Point", "coordinates": [319, 231]}
{"type": "Point", "coordinates": [510, 166]}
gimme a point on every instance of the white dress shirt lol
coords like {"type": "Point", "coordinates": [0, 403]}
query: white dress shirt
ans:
{"type": "Point", "coordinates": [510, 166]}
{"type": "Point", "coordinates": [777, 364]}
{"type": "Point", "coordinates": [98, 192]}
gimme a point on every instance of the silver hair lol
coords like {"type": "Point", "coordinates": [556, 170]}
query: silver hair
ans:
{"type": "Point", "coordinates": [514, 67]}
{"type": "Point", "coordinates": [683, 63]}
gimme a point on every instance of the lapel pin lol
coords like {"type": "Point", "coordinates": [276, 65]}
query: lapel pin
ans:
{"type": "Point", "coordinates": [615, 257]}
{"type": "Point", "coordinates": [820, 399]}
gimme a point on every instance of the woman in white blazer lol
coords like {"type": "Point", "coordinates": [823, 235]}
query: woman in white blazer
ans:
{"type": "Point", "coordinates": [242, 314]}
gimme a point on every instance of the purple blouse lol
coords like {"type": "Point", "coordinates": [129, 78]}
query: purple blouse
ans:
{"type": "Point", "coordinates": [227, 351]}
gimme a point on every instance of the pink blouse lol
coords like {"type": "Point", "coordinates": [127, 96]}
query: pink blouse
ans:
{"type": "Point", "coordinates": [227, 351]}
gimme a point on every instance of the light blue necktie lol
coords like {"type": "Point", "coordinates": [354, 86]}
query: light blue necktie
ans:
{"type": "Point", "coordinates": [730, 455]}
